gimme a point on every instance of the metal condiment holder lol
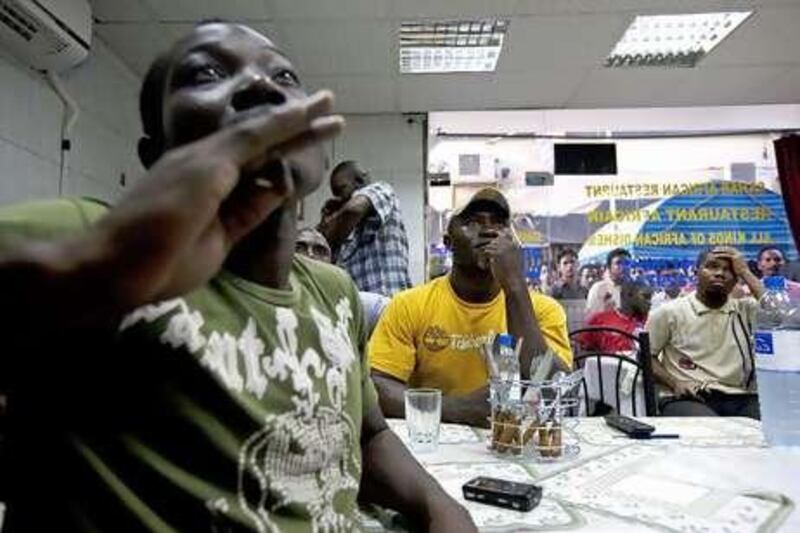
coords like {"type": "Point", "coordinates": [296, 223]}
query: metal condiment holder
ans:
{"type": "Point", "coordinates": [529, 420]}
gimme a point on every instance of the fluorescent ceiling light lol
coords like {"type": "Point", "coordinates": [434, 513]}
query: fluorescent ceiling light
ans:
{"type": "Point", "coordinates": [673, 40]}
{"type": "Point", "coordinates": [451, 46]}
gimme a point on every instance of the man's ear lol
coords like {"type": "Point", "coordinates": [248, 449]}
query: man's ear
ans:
{"type": "Point", "coordinates": [447, 241]}
{"type": "Point", "coordinates": [149, 151]}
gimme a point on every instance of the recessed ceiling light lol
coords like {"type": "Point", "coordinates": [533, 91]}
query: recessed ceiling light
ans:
{"type": "Point", "coordinates": [451, 46]}
{"type": "Point", "coordinates": [673, 40]}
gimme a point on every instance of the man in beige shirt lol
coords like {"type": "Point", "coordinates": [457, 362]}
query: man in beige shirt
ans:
{"type": "Point", "coordinates": [702, 342]}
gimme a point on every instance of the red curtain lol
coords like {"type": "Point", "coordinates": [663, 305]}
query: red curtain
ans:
{"type": "Point", "coordinates": [787, 154]}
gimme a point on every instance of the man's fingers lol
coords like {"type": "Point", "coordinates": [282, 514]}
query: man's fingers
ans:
{"type": "Point", "coordinates": [320, 129]}
{"type": "Point", "coordinates": [270, 127]}
{"type": "Point", "coordinates": [320, 103]}
{"type": "Point", "coordinates": [251, 203]}
{"type": "Point", "coordinates": [724, 255]}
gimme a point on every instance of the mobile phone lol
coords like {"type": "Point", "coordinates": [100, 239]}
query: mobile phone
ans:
{"type": "Point", "coordinates": [502, 493]}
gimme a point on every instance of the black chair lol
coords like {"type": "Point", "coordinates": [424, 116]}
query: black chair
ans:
{"type": "Point", "coordinates": [643, 370]}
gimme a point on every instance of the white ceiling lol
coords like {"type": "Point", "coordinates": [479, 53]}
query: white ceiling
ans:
{"type": "Point", "coordinates": [552, 58]}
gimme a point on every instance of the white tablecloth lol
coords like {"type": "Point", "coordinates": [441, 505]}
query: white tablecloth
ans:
{"type": "Point", "coordinates": [719, 476]}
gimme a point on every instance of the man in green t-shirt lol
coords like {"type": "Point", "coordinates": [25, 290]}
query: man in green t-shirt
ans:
{"type": "Point", "coordinates": [233, 395]}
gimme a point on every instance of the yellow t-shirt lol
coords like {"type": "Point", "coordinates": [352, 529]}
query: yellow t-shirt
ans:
{"type": "Point", "coordinates": [429, 337]}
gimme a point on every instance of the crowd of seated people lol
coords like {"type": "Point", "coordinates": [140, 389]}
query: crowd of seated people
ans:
{"type": "Point", "coordinates": [699, 317]}
{"type": "Point", "coordinates": [247, 338]}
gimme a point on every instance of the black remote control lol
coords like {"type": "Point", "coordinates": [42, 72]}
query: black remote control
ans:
{"type": "Point", "coordinates": [630, 426]}
{"type": "Point", "coordinates": [502, 493]}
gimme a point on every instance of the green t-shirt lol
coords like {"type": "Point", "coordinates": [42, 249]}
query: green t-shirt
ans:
{"type": "Point", "coordinates": [235, 407]}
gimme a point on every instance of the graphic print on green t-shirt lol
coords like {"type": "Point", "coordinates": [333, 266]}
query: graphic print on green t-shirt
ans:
{"type": "Point", "coordinates": [290, 360]}
{"type": "Point", "coordinates": [236, 407]}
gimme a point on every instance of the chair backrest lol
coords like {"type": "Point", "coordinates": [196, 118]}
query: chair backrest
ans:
{"type": "Point", "coordinates": [602, 368]}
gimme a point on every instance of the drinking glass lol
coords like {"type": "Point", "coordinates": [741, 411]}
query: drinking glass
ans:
{"type": "Point", "coordinates": [423, 416]}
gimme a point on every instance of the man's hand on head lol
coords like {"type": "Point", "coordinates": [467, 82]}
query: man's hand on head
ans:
{"type": "Point", "coordinates": [505, 260]}
{"type": "Point", "coordinates": [738, 262]}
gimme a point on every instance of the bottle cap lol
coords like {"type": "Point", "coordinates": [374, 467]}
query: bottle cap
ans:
{"type": "Point", "coordinates": [775, 283]}
{"type": "Point", "coordinates": [504, 339]}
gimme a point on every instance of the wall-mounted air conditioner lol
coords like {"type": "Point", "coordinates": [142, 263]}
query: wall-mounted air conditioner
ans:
{"type": "Point", "coordinates": [48, 35]}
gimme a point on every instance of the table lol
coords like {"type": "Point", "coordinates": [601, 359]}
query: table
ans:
{"type": "Point", "coordinates": [719, 476]}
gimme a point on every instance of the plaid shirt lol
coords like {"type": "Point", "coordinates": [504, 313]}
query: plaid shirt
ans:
{"type": "Point", "coordinates": [376, 253]}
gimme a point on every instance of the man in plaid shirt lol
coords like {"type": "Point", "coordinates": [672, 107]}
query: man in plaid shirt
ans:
{"type": "Point", "coordinates": [364, 227]}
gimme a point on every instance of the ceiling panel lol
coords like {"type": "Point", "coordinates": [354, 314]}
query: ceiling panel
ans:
{"type": "Point", "coordinates": [559, 41]}
{"type": "Point", "coordinates": [553, 55]}
{"type": "Point", "coordinates": [130, 10]}
{"type": "Point", "coordinates": [603, 87]}
{"type": "Point", "coordinates": [769, 36]}
{"type": "Point", "coordinates": [139, 44]}
{"type": "Point", "coordinates": [451, 9]}
{"type": "Point", "coordinates": [549, 7]}
{"type": "Point", "coordinates": [192, 10]}
{"type": "Point", "coordinates": [784, 88]}
{"type": "Point", "coordinates": [338, 9]}
{"type": "Point", "coordinates": [723, 85]}
{"type": "Point", "coordinates": [340, 46]}
{"type": "Point", "coordinates": [546, 87]}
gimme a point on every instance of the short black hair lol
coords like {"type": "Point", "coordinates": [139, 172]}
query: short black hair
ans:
{"type": "Point", "coordinates": [564, 253]}
{"type": "Point", "coordinates": [616, 252]}
{"type": "Point", "coordinates": [361, 175]}
{"type": "Point", "coordinates": [767, 248]}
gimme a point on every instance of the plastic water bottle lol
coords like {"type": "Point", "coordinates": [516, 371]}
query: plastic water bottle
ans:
{"type": "Point", "coordinates": [507, 364]}
{"type": "Point", "coordinates": [777, 341]}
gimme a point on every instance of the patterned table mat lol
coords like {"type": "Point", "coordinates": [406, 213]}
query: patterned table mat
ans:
{"type": "Point", "coordinates": [645, 484]}
{"type": "Point", "coordinates": [696, 432]}
{"type": "Point", "coordinates": [448, 433]}
{"type": "Point", "coordinates": [548, 515]}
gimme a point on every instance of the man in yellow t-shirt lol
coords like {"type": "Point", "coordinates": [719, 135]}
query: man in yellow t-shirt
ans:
{"type": "Point", "coordinates": [431, 336]}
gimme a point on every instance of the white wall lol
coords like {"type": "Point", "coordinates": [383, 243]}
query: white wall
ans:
{"type": "Point", "coordinates": [673, 160]}
{"type": "Point", "coordinates": [658, 161]}
{"type": "Point", "coordinates": [669, 119]}
{"type": "Point", "coordinates": [103, 141]}
{"type": "Point", "coordinates": [390, 148]}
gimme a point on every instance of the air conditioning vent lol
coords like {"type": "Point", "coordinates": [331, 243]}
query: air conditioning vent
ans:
{"type": "Point", "coordinates": [46, 34]}
{"type": "Point", "coordinates": [17, 22]}
{"type": "Point", "coordinates": [469, 164]}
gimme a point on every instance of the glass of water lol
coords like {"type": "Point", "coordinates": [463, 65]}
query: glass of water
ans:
{"type": "Point", "coordinates": [423, 416]}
